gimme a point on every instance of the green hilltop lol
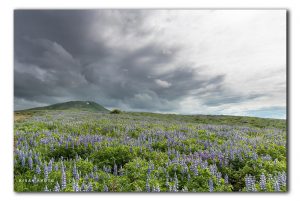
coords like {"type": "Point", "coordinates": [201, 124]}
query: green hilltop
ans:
{"type": "Point", "coordinates": [74, 105]}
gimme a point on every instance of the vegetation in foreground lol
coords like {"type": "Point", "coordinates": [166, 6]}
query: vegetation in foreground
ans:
{"type": "Point", "coordinates": [72, 151]}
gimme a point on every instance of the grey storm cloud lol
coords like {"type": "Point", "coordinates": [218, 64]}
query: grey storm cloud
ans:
{"type": "Point", "coordinates": [56, 43]}
{"type": "Point", "coordinates": [103, 55]}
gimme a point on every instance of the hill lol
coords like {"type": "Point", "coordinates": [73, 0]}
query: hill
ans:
{"type": "Point", "coordinates": [201, 119]}
{"type": "Point", "coordinates": [73, 105]}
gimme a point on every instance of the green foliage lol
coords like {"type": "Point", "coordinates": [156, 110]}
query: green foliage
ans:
{"type": "Point", "coordinates": [119, 155]}
{"type": "Point", "coordinates": [115, 111]}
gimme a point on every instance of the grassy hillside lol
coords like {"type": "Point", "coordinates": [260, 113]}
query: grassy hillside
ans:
{"type": "Point", "coordinates": [218, 120]}
{"type": "Point", "coordinates": [73, 105]}
{"type": "Point", "coordinates": [201, 119]}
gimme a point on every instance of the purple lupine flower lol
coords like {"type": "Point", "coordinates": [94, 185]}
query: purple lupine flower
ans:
{"type": "Point", "coordinates": [211, 185]}
{"type": "Point", "coordinates": [63, 167]}
{"type": "Point", "coordinates": [36, 158]}
{"type": "Point", "coordinates": [56, 167]}
{"type": "Point", "coordinates": [75, 186]}
{"type": "Point", "coordinates": [184, 170]}
{"type": "Point", "coordinates": [46, 171]}
{"type": "Point", "coordinates": [91, 175]}
{"type": "Point", "coordinates": [219, 176]}
{"type": "Point", "coordinates": [97, 177]}
{"type": "Point", "coordinates": [213, 169]}
{"type": "Point", "coordinates": [148, 170]}
{"type": "Point", "coordinates": [77, 176]}
{"type": "Point", "coordinates": [266, 157]}
{"type": "Point", "coordinates": [63, 179]}
{"type": "Point", "coordinates": [188, 177]}
{"type": "Point", "coordinates": [57, 187]}
{"type": "Point", "coordinates": [147, 186]}
{"type": "Point", "coordinates": [283, 178]}
{"type": "Point", "coordinates": [90, 187]}
{"type": "Point", "coordinates": [276, 186]}
{"type": "Point", "coordinates": [38, 169]}
{"type": "Point", "coordinates": [195, 170]}
{"type": "Point", "coordinates": [83, 187]}
{"type": "Point", "coordinates": [30, 163]}
{"type": "Point", "coordinates": [106, 169]}
{"type": "Point", "coordinates": [226, 179]}
{"type": "Point", "coordinates": [74, 170]}
{"type": "Point", "coordinates": [262, 182]}
{"type": "Point", "coordinates": [176, 181]}
{"type": "Point", "coordinates": [23, 160]}
{"type": "Point", "coordinates": [250, 183]}
{"type": "Point", "coordinates": [255, 156]}
{"type": "Point", "coordinates": [105, 189]}
{"type": "Point", "coordinates": [50, 166]}
{"type": "Point", "coordinates": [152, 166]}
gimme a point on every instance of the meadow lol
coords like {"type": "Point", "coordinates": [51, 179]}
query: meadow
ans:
{"type": "Point", "coordinates": [88, 151]}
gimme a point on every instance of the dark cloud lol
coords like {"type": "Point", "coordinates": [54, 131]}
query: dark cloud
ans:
{"type": "Point", "coordinates": [64, 55]}
{"type": "Point", "coordinates": [67, 27]}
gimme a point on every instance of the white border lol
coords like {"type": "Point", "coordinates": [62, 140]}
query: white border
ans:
{"type": "Point", "coordinates": [6, 89]}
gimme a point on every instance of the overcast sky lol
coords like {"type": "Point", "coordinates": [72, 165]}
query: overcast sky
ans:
{"type": "Point", "coordinates": [170, 61]}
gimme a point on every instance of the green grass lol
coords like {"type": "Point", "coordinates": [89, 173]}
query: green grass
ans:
{"type": "Point", "coordinates": [218, 120]}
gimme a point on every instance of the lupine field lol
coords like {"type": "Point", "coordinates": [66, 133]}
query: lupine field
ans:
{"type": "Point", "coordinates": [84, 151]}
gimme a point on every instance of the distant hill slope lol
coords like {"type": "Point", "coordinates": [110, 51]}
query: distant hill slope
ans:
{"type": "Point", "coordinates": [74, 105]}
{"type": "Point", "coordinates": [218, 120]}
